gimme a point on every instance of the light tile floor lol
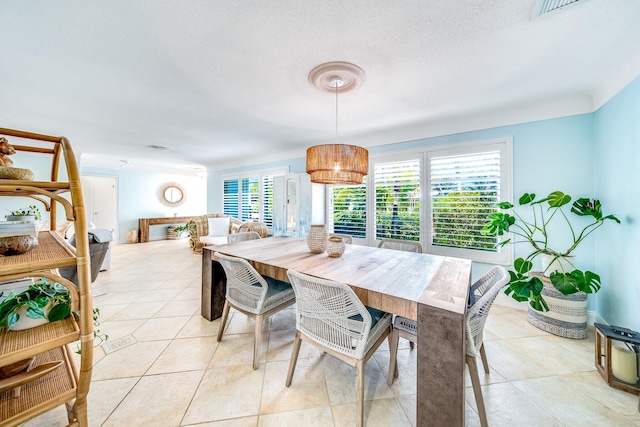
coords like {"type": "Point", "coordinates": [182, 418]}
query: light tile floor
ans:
{"type": "Point", "coordinates": [162, 365]}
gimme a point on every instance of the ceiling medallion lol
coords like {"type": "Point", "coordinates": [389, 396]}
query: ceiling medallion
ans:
{"type": "Point", "coordinates": [352, 76]}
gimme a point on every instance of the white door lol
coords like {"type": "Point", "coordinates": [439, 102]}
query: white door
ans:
{"type": "Point", "coordinates": [100, 198]}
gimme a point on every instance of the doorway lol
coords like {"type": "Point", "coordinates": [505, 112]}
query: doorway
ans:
{"type": "Point", "coordinates": [100, 198]}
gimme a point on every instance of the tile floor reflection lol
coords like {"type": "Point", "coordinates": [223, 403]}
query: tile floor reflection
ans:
{"type": "Point", "coordinates": [163, 366]}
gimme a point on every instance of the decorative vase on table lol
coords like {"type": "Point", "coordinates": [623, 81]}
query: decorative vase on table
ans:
{"type": "Point", "coordinates": [317, 238]}
{"type": "Point", "coordinates": [335, 247]}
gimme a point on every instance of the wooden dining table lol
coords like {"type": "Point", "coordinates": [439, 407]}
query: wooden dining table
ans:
{"type": "Point", "coordinates": [430, 289]}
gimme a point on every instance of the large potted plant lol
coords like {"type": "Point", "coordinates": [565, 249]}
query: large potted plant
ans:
{"type": "Point", "coordinates": [535, 230]}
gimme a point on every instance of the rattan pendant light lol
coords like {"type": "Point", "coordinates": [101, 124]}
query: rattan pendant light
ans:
{"type": "Point", "coordinates": [337, 163]}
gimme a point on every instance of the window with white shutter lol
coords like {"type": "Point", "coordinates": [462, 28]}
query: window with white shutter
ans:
{"type": "Point", "coordinates": [464, 186]}
{"type": "Point", "coordinates": [397, 199]}
{"type": "Point", "coordinates": [250, 200]}
{"type": "Point", "coordinates": [230, 197]}
{"type": "Point", "coordinates": [267, 200]}
{"type": "Point", "coordinates": [347, 207]}
{"type": "Point", "coordinates": [249, 197]}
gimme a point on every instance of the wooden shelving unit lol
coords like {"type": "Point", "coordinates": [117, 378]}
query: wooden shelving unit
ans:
{"type": "Point", "coordinates": [67, 384]}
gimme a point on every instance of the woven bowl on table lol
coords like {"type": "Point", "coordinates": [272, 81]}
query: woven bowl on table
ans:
{"type": "Point", "coordinates": [335, 246]}
{"type": "Point", "coordinates": [16, 245]}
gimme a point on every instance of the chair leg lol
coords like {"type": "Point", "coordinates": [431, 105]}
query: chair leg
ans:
{"type": "Point", "coordinates": [223, 321]}
{"type": "Point", "coordinates": [256, 343]}
{"type": "Point", "coordinates": [483, 356]}
{"type": "Point", "coordinates": [360, 393]}
{"type": "Point", "coordinates": [294, 357]}
{"type": "Point", "coordinates": [477, 391]}
{"type": "Point", "coordinates": [394, 337]}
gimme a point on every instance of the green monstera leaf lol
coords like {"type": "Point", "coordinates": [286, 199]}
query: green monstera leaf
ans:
{"type": "Point", "coordinates": [576, 281]}
{"type": "Point", "coordinates": [498, 224]}
{"type": "Point", "coordinates": [558, 198]}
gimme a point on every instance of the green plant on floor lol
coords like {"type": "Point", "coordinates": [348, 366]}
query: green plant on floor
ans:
{"type": "Point", "coordinates": [35, 299]}
{"type": "Point", "coordinates": [31, 210]}
{"type": "Point", "coordinates": [535, 232]}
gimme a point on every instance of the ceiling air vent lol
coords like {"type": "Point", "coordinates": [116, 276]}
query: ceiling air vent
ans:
{"type": "Point", "coordinates": [546, 6]}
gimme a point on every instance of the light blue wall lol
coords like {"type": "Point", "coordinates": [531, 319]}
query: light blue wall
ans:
{"type": "Point", "coordinates": [548, 155]}
{"type": "Point", "coordinates": [617, 179]}
{"type": "Point", "coordinates": [139, 197]}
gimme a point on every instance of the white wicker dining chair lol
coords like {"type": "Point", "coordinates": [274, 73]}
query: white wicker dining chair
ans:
{"type": "Point", "coordinates": [400, 245]}
{"type": "Point", "coordinates": [242, 236]}
{"type": "Point", "coordinates": [484, 292]}
{"type": "Point", "coordinates": [330, 316]}
{"type": "Point", "coordinates": [348, 239]}
{"type": "Point", "coordinates": [254, 295]}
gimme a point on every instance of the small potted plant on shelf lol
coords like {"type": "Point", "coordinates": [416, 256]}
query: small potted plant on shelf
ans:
{"type": "Point", "coordinates": [29, 213]}
{"type": "Point", "coordinates": [558, 265]}
{"type": "Point", "coordinates": [41, 303]}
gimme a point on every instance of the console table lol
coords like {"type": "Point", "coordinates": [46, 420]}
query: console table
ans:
{"type": "Point", "coordinates": [144, 223]}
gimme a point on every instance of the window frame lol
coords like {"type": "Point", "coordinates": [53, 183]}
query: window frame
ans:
{"type": "Point", "coordinates": [504, 145]}
{"type": "Point", "coordinates": [503, 255]}
{"type": "Point", "coordinates": [372, 238]}
{"type": "Point", "coordinates": [259, 175]}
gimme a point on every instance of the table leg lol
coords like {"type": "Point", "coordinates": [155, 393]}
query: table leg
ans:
{"type": "Point", "coordinates": [214, 287]}
{"type": "Point", "coordinates": [143, 230]}
{"type": "Point", "coordinates": [441, 363]}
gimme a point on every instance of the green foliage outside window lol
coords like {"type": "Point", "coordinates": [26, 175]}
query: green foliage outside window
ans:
{"type": "Point", "coordinates": [350, 211]}
{"type": "Point", "coordinates": [458, 218]}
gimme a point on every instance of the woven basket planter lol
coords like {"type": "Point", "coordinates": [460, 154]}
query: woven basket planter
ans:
{"type": "Point", "coordinates": [567, 315]}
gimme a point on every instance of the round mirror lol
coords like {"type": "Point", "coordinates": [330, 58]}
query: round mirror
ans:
{"type": "Point", "coordinates": [173, 194]}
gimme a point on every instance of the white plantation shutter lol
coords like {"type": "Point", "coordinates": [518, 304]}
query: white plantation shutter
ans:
{"type": "Point", "coordinates": [347, 207]}
{"type": "Point", "coordinates": [250, 199]}
{"type": "Point", "coordinates": [397, 199]}
{"type": "Point", "coordinates": [230, 197]}
{"type": "Point", "coordinates": [267, 200]}
{"type": "Point", "coordinates": [465, 185]}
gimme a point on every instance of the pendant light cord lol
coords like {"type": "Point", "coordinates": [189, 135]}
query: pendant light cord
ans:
{"type": "Point", "coordinates": [336, 85]}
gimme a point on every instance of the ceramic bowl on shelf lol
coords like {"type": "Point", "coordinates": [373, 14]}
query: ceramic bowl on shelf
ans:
{"type": "Point", "coordinates": [16, 245]}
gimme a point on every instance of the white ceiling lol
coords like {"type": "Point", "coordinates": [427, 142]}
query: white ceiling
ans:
{"type": "Point", "coordinates": [224, 83]}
